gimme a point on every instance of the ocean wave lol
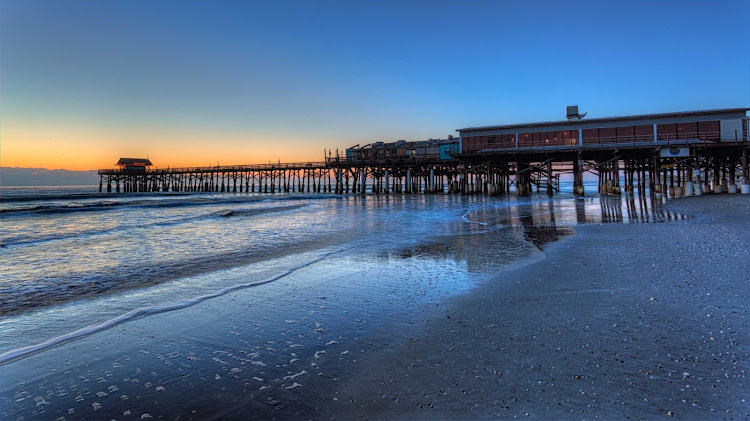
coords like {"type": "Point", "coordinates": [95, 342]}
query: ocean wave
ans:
{"type": "Point", "coordinates": [19, 353]}
{"type": "Point", "coordinates": [81, 196]}
{"type": "Point", "coordinates": [27, 240]}
{"type": "Point", "coordinates": [260, 211]}
{"type": "Point", "coordinates": [102, 206]}
{"type": "Point", "coordinates": [152, 203]}
{"type": "Point", "coordinates": [22, 297]}
{"type": "Point", "coordinates": [57, 209]}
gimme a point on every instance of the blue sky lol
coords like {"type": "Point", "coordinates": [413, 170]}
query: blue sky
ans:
{"type": "Point", "coordinates": [188, 82]}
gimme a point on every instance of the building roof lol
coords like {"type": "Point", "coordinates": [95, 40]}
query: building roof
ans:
{"type": "Point", "coordinates": [608, 119]}
{"type": "Point", "coordinates": [131, 161]}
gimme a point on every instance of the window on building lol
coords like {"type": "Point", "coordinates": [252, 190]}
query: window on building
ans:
{"type": "Point", "coordinates": [524, 139]}
{"type": "Point", "coordinates": [709, 130]}
{"type": "Point", "coordinates": [644, 133]}
{"type": "Point", "coordinates": [555, 138]}
{"type": "Point", "coordinates": [687, 131]}
{"type": "Point", "coordinates": [590, 136]}
{"type": "Point", "coordinates": [477, 144]}
{"type": "Point", "coordinates": [625, 134]}
{"type": "Point", "coordinates": [573, 137]}
{"type": "Point", "coordinates": [666, 131]}
{"type": "Point", "coordinates": [536, 138]}
{"type": "Point", "coordinates": [607, 135]}
{"type": "Point", "coordinates": [467, 144]}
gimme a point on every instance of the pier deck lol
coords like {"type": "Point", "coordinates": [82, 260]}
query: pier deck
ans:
{"type": "Point", "coordinates": [673, 167]}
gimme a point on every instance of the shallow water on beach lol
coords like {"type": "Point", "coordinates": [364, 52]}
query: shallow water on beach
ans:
{"type": "Point", "coordinates": [270, 266]}
{"type": "Point", "coordinates": [71, 259]}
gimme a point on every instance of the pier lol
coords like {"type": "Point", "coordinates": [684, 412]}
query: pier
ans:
{"type": "Point", "coordinates": [263, 178]}
{"type": "Point", "coordinates": [669, 154]}
{"type": "Point", "coordinates": [711, 168]}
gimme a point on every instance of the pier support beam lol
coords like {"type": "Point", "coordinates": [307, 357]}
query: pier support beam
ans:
{"type": "Point", "coordinates": [432, 180]}
{"type": "Point", "coordinates": [616, 177]}
{"type": "Point", "coordinates": [550, 192]}
{"type": "Point", "coordinates": [578, 177]}
{"type": "Point", "coordinates": [689, 188]}
{"type": "Point", "coordinates": [363, 182]}
{"type": "Point", "coordinates": [523, 181]}
{"type": "Point", "coordinates": [745, 188]}
{"type": "Point", "coordinates": [408, 180]}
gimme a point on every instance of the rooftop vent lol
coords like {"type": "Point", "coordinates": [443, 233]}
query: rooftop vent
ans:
{"type": "Point", "coordinates": [572, 113]}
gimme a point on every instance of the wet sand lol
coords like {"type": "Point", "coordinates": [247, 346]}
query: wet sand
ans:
{"type": "Point", "coordinates": [640, 320]}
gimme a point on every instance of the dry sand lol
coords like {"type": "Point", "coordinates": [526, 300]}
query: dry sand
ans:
{"type": "Point", "coordinates": [642, 321]}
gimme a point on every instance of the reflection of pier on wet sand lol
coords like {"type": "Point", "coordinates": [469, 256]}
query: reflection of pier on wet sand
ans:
{"type": "Point", "coordinates": [495, 236]}
{"type": "Point", "coordinates": [581, 210]}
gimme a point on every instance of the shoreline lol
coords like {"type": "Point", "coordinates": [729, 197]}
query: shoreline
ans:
{"type": "Point", "coordinates": [526, 341]}
{"type": "Point", "coordinates": [609, 344]}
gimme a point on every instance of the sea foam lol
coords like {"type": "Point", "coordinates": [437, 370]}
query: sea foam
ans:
{"type": "Point", "coordinates": [23, 352]}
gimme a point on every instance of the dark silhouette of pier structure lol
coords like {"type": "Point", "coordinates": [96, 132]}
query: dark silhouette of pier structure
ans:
{"type": "Point", "coordinates": [671, 154]}
{"type": "Point", "coordinates": [620, 168]}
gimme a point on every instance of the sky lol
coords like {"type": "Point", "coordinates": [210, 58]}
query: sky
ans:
{"type": "Point", "coordinates": [184, 83]}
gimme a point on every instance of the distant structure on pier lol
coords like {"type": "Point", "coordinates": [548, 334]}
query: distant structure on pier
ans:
{"type": "Point", "coordinates": [403, 151]}
{"type": "Point", "coordinates": [670, 154]}
{"type": "Point", "coordinates": [134, 164]}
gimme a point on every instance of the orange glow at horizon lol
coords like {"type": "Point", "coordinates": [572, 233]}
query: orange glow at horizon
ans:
{"type": "Point", "coordinates": [91, 151]}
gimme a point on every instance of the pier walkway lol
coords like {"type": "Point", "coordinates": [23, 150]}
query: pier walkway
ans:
{"type": "Point", "coordinates": [675, 167]}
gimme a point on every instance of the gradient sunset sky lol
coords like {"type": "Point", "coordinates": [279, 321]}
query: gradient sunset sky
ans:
{"type": "Point", "coordinates": [200, 83]}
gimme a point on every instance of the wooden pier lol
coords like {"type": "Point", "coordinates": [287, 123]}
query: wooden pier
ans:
{"type": "Point", "coordinates": [262, 178]}
{"type": "Point", "coordinates": [698, 167]}
{"type": "Point", "coordinates": [674, 154]}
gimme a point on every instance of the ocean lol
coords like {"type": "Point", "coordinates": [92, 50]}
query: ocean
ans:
{"type": "Point", "coordinates": [76, 262]}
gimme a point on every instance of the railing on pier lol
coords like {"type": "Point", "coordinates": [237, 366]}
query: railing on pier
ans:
{"type": "Point", "coordinates": [601, 143]}
{"type": "Point", "coordinates": [399, 159]}
{"type": "Point", "coordinates": [221, 169]}
{"type": "Point", "coordinates": [608, 141]}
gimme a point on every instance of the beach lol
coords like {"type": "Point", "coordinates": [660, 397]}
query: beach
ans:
{"type": "Point", "coordinates": [621, 321]}
{"type": "Point", "coordinates": [299, 210]}
{"type": "Point", "coordinates": [599, 320]}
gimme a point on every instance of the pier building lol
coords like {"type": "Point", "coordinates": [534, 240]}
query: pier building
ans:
{"type": "Point", "coordinates": [134, 164]}
{"type": "Point", "coordinates": [668, 154]}
{"type": "Point", "coordinates": [670, 150]}
{"type": "Point", "coordinates": [693, 127]}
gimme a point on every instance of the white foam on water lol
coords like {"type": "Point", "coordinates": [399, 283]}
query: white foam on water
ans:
{"type": "Point", "coordinates": [293, 386]}
{"type": "Point", "coordinates": [19, 353]}
{"type": "Point", "coordinates": [294, 376]}
{"type": "Point", "coordinates": [465, 218]}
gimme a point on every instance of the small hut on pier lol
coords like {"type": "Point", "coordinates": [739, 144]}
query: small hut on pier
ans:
{"type": "Point", "coordinates": [134, 164]}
